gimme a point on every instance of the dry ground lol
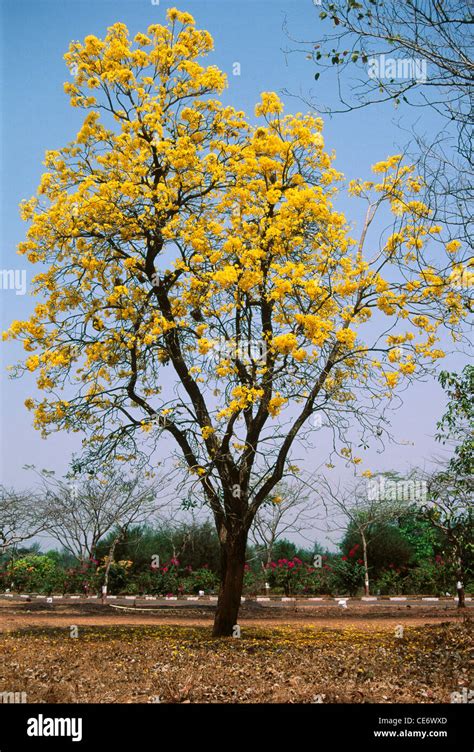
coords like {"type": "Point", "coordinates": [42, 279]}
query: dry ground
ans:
{"type": "Point", "coordinates": [170, 656]}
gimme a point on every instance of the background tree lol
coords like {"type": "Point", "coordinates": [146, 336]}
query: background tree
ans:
{"type": "Point", "coordinates": [367, 514]}
{"type": "Point", "coordinates": [20, 517]}
{"type": "Point", "coordinates": [385, 545]}
{"type": "Point", "coordinates": [80, 510]}
{"type": "Point", "coordinates": [424, 540]}
{"type": "Point", "coordinates": [199, 282]}
{"type": "Point", "coordinates": [431, 43]}
{"type": "Point", "coordinates": [288, 511]}
{"type": "Point", "coordinates": [456, 427]}
{"type": "Point", "coordinates": [450, 509]}
{"type": "Point", "coordinates": [194, 543]}
{"type": "Point", "coordinates": [451, 490]}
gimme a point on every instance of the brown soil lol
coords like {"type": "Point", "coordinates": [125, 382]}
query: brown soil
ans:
{"type": "Point", "coordinates": [321, 655]}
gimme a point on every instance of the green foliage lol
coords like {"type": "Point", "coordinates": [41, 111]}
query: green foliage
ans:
{"type": "Point", "coordinates": [424, 540]}
{"type": "Point", "coordinates": [254, 580]}
{"type": "Point", "coordinates": [202, 579]}
{"type": "Point", "coordinates": [19, 552]}
{"type": "Point", "coordinates": [63, 559]}
{"type": "Point", "coordinates": [406, 556]}
{"type": "Point", "coordinates": [385, 544]}
{"type": "Point", "coordinates": [434, 576]}
{"type": "Point", "coordinates": [457, 423]}
{"type": "Point", "coordinates": [196, 544]}
{"type": "Point", "coordinates": [389, 582]}
{"type": "Point", "coordinates": [431, 577]}
{"type": "Point", "coordinates": [118, 575]}
{"type": "Point", "coordinates": [348, 576]}
{"type": "Point", "coordinates": [35, 573]}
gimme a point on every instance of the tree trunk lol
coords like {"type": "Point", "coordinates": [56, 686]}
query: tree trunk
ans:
{"type": "Point", "coordinates": [110, 560]}
{"type": "Point", "coordinates": [366, 566]}
{"type": "Point", "coordinates": [460, 583]}
{"type": "Point", "coordinates": [232, 578]}
{"type": "Point", "coordinates": [269, 555]}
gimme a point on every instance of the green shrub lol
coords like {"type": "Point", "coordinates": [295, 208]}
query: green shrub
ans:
{"type": "Point", "coordinates": [118, 575]}
{"type": "Point", "coordinates": [254, 580]}
{"type": "Point", "coordinates": [431, 577]}
{"type": "Point", "coordinates": [201, 579]}
{"type": "Point", "coordinates": [35, 573]}
{"type": "Point", "coordinates": [389, 582]}
{"type": "Point", "coordinates": [348, 576]}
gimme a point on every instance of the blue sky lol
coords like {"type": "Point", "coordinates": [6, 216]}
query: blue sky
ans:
{"type": "Point", "coordinates": [36, 116]}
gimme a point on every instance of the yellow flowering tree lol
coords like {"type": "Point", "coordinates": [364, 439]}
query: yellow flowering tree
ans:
{"type": "Point", "coordinates": [197, 280]}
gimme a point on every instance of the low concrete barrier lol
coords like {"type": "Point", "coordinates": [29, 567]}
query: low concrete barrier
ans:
{"type": "Point", "coordinates": [260, 598]}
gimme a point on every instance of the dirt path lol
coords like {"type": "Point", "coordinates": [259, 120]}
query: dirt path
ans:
{"type": "Point", "coordinates": [12, 621]}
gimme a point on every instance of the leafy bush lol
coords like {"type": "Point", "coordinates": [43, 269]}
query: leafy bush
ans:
{"type": "Point", "coordinates": [389, 582]}
{"type": "Point", "coordinates": [202, 579]}
{"type": "Point", "coordinates": [118, 575]}
{"type": "Point", "coordinates": [287, 575]}
{"type": "Point", "coordinates": [35, 573]}
{"type": "Point", "coordinates": [431, 577]}
{"type": "Point", "coordinates": [254, 580]}
{"type": "Point", "coordinates": [81, 579]}
{"type": "Point", "coordinates": [294, 577]}
{"type": "Point", "coordinates": [348, 575]}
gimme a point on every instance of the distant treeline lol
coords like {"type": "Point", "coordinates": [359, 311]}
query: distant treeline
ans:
{"type": "Point", "coordinates": [406, 555]}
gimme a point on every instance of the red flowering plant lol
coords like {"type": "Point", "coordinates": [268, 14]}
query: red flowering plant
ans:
{"type": "Point", "coordinates": [295, 577]}
{"type": "Point", "coordinates": [83, 578]}
{"type": "Point", "coordinates": [166, 578]}
{"type": "Point", "coordinates": [171, 578]}
{"type": "Point", "coordinates": [288, 575]}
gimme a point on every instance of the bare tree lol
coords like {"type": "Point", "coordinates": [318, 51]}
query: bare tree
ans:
{"type": "Point", "coordinates": [414, 54]}
{"type": "Point", "coordinates": [367, 504]}
{"type": "Point", "coordinates": [20, 519]}
{"type": "Point", "coordinates": [81, 509]}
{"type": "Point", "coordinates": [450, 509]}
{"type": "Point", "coordinates": [288, 511]}
{"type": "Point", "coordinates": [450, 501]}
